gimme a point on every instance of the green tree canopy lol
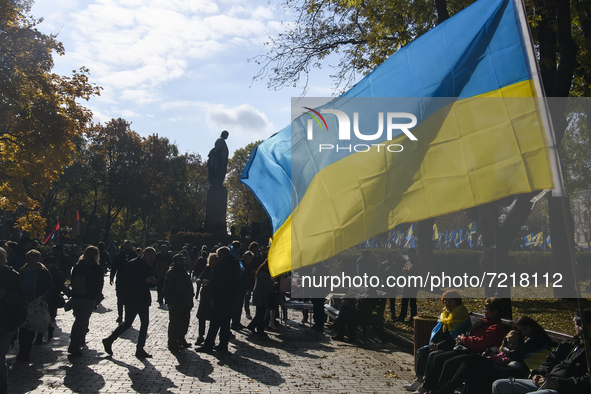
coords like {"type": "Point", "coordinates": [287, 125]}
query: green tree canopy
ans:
{"type": "Point", "coordinates": [243, 207]}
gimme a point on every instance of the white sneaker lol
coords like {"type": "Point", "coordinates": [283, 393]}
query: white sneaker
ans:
{"type": "Point", "coordinates": [420, 390]}
{"type": "Point", "coordinates": [414, 385]}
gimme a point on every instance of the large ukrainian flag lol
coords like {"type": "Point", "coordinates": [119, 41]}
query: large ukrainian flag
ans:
{"type": "Point", "coordinates": [479, 147]}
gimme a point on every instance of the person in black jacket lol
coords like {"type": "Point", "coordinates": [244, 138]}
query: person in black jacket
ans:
{"type": "Point", "coordinates": [119, 262]}
{"type": "Point", "coordinates": [204, 293]}
{"type": "Point", "coordinates": [138, 277]}
{"type": "Point", "coordinates": [178, 293]}
{"type": "Point", "coordinates": [87, 285]}
{"type": "Point", "coordinates": [564, 371]}
{"type": "Point", "coordinates": [224, 282]}
{"type": "Point", "coordinates": [13, 312]}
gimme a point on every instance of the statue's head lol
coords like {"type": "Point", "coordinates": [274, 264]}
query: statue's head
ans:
{"type": "Point", "coordinates": [225, 134]}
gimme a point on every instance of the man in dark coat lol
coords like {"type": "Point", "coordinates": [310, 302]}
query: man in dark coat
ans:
{"type": "Point", "coordinates": [138, 278]}
{"type": "Point", "coordinates": [119, 262]}
{"type": "Point", "coordinates": [178, 292]}
{"type": "Point", "coordinates": [224, 282]}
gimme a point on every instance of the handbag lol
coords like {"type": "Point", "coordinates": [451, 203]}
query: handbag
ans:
{"type": "Point", "coordinates": [38, 317]}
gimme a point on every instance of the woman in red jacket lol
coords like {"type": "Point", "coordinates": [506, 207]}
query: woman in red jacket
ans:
{"type": "Point", "coordinates": [487, 333]}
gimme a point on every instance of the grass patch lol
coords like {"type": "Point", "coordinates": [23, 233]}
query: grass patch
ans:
{"type": "Point", "coordinates": [552, 313]}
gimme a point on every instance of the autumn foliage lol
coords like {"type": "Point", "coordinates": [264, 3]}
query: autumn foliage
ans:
{"type": "Point", "coordinates": [39, 115]}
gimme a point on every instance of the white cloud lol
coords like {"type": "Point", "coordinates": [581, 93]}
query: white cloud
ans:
{"type": "Point", "coordinates": [262, 13]}
{"type": "Point", "coordinates": [140, 96]}
{"type": "Point", "coordinates": [128, 114]}
{"type": "Point", "coordinates": [135, 47]}
{"type": "Point", "coordinates": [243, 119]}
{"type": "Point", "coordinates": [176, 67]}
{"type": "Point", "coordinates": [154, 40]}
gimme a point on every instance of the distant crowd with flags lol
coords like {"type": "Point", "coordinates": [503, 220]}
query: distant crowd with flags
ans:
{"type": "Point", "coordinates": [461, 238]}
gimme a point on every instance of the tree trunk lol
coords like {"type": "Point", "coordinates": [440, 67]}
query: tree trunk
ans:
{"type": "Point", "coordinates": [425, 246]}
{"type": "Point", "coordinates": [442, 13]}
{"type": "Point", "coordinates": [555, 39]}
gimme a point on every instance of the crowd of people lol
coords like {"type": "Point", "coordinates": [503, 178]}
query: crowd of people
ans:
{"type": "Point", "coordinates": [225, 280]}
{"type": "Point", "coordinates": [486, 357]}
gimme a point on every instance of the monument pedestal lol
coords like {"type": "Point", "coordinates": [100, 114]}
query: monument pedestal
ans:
{"type": "Point", "coordinates": [215, 210]}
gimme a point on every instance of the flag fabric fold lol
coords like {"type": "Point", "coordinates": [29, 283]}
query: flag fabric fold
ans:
{"type": "Point", "coordinates": [468, 152]}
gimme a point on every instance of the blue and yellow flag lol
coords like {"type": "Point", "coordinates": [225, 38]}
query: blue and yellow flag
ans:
{"type": "Point", "coordinates": [410, 238]}
{"type": "Point", "coordinates": [472, 229]}
{"type": "Point", "coordinates": [465, 152]}
{"type": "Point", "coordinates": [459, 238]}
{"type": "Point", "coordinates": [539, 239]}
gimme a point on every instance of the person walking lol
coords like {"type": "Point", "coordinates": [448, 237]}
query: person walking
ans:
{"type": "Point", "coordinates": [87, 286]}
{"type": "Point", "coordinates": [119, 262]}
{"type": "Point", "coordinates": [138, 279]}
{"type": "Point", "coordinates": [261, 295]}
{"type": "Point", "coordinates": [223, 296]}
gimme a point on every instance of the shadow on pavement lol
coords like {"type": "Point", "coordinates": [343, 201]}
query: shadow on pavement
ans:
{"type": "Point", "coordinates": [80, 378]}
{"type": "Point", "coordinates": [146, 380]}
{"type": "Point", "coordinates": [190, 364]}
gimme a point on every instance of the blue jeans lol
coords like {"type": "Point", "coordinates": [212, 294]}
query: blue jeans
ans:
{"type": "Point", "coordinates": [5, 339]}
{"type": "Point", "coordinates": [518, 386]}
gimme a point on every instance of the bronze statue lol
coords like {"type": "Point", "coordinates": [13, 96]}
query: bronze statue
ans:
{"type": "Point", "coordinates": [217, 162]}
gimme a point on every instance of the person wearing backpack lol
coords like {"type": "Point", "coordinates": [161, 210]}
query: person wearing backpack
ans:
{"type": "Point", "coordinates": [87, 286]}
{"type": "Point", "coordinates": [138, 279]}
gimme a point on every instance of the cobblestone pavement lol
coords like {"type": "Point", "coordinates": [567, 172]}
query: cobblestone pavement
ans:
{"type": "Point", "coordinates": [295, 360]}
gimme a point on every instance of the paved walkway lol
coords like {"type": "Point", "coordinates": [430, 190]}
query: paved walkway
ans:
{"type": "Point", "coordinates": [295, 360]}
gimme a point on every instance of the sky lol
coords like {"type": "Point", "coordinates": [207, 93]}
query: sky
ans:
{"type": "Point", "coordinates": [178, 68]}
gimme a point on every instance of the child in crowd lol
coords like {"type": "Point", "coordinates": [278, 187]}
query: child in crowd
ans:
{"type": "Point", "coordinates": [511, 341]}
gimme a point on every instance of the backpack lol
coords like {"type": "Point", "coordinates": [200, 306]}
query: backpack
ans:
{"type": "Point", "coordinates": [79, 286]}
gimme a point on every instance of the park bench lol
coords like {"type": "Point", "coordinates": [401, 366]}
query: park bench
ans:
{"type": "Point", "coordinates": [557, 337]}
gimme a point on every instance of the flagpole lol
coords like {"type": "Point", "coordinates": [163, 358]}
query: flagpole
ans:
{"type": "Point", "coordinates": [544, 112]}
{"type": "Point", "coordinates": [554, 160]}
